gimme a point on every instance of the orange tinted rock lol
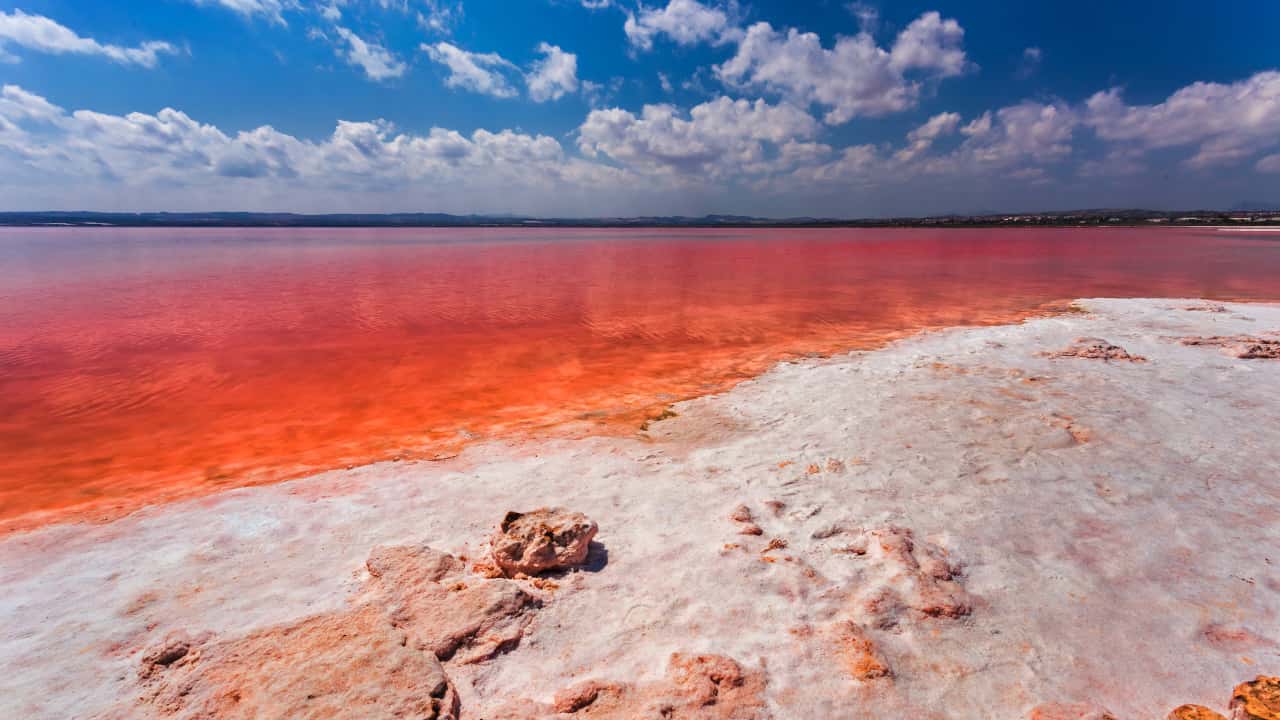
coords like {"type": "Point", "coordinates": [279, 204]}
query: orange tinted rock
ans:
{"type": "Point", "coordinates": [861, 657]}
{"type": "Point", "coordinates": [1070, 711]}
{"type": "Point", "coordinates": [1097, 349]}
{"type": "Point", "coordinates": [541, 540]}
{"type": "Point", "coordinates": [338, 665]}
{"type": "Point", "coordinates": [575, 698]}
{"type": "Point", "coordinates": [1257, 700]}
{"type": "Point", "coordinates": [696, 687]}
{"type": "Point", "coordinates": [427, 594]}
{"type": "Point", "coordinates": [1193, 712]}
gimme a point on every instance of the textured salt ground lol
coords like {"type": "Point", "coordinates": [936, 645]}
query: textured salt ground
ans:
{"type": "Point", "coordinates": [1118, 525]}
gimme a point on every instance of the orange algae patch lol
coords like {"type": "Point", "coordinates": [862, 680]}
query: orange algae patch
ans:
{"type": "Point", "coordinates": [143, 366]}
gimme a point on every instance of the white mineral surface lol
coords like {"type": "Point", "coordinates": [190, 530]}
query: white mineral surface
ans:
{"type": "Point", "coordinates": [1111, 530]}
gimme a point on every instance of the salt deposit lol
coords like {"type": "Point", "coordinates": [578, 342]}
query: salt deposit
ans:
{"type": "Point", "coordinates": [967, 523]}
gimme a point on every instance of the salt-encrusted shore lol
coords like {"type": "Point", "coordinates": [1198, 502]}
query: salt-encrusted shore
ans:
{"type": "Point", "coordinates": [970, 523]}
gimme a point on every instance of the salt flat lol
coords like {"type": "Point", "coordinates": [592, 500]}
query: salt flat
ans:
{"type": "Point", "coordinates": [1005, 529]}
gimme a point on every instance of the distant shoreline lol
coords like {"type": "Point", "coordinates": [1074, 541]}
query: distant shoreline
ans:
{"type": "Point", "coordinates": [1078, 218]}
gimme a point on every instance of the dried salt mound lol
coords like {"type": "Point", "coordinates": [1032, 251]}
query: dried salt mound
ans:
{"type": "Point", "coordinates": [1096, 349]}
{"type": "Point", "coordinates": [1257, 700]}
{"type": "Point", "coordinates": [697, 687]}
{"type": "Point", "coordinates": [905, 574]}
{"type": "Point", "coordinates": [541, 540]}
{"type": "Point", "coordinates": [1193, 712]}
{"type": "Point", "coordinates": [350, 664]}
{"type": "Point", "coordinates": [456, 616]}
{"type": "Point", "coordinates": [1245, 347]}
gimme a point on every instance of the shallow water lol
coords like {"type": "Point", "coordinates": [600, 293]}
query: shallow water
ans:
{"type": "Point", "coordinates": [144, 365]}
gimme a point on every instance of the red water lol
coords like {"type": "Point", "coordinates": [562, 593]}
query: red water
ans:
{"type": "Point", "coordinates": [139, 366]}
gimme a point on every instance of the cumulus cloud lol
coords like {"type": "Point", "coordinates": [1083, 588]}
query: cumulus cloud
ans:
{"type": "Point", "coordinates": [171, 151]}
{"type": "Point", "coordinates": [1017, 142]}
{"type": "Point", "coordinates": [376, 61]}
{"type": "Point", "coordinates": [686, 22]}
{"type": "Point", "coordinates": [930, 43]}
{"type": "Point", "coordinates": [483, 73]}
{"type": "Point", "coordinates": [1228, 123]}
{"type": "Point", "coordinates": [921, 138]}
{"type": "Point", "coordinates": [1029, 131]}
{"type": "Point", "coordinates": [854, 78]}
{"type": "Point", "coordinates": [554, 75]}
{"type": "Point", "coordinates": [718, 139]}
{"type": "Point", "coordinates": [41, 34]}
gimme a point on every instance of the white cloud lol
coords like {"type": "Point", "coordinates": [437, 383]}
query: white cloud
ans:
{"type": "Point", "coordinates": [596, 4]}
{"type": "Point", "coordinates": [930, 43]}
{"type": "Point", "coordinates": [1029, 132]}
{"type": "Point", "coordinates": [854, 78]}
{"type": "Point", "coordinates": [921, 138]}
{"type": "Point", "coordinates": [554, 75]}
{"type": "Point", "coordinates": [1228, 123]}
{"type": "Point", "coordinates": [175, 157]}
{"type": "Point", "coordinates": [39, 33]}
{"type": "Point", "coordinates": [440, 16]}
{"type": "Point", "coordinates": [1015, 142]}
{"type": "Point", "coordinates": [482, 73]}
{"type": "Point", "coordinates": [376, 61]}
{"type": "Point", "coordinates": [271, 9]}
{"type": "Point", "coordinates": [1269, 164]}
{"type": "Point", "coordinates": [685, 21]}
{"type": "Point", "coordinates": [719, 139]}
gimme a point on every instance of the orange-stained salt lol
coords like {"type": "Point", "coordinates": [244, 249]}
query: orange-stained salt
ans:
{"type": "Point", "coordinates": [140, 366]}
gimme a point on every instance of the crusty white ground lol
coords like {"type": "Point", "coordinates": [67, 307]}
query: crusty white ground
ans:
{"type": "Point", "coordinates": [1096, 567]}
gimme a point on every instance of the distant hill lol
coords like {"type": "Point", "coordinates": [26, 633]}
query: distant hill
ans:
{"type": "Point", "coordinates": [1104, 216]}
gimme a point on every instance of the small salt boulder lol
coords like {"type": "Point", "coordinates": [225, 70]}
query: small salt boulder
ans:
{"type": "Point", "coordinates": [541, 540]}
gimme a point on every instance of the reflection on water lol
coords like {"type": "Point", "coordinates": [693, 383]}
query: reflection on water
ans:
{"type": "Point", "coordinates": [142, 365]}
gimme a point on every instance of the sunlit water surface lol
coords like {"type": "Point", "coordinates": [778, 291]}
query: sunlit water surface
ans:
{"type": "Point", "coordinates": [139, 366]}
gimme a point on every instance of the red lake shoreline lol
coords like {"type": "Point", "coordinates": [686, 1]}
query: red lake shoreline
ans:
{"type": "Point", "coordinates": [141, 366]}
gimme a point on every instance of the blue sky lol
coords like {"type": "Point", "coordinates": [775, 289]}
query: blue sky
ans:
{"type": "Point", "coordinates": [598, 107]}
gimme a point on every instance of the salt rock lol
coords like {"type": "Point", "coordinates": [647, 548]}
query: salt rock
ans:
{"type": "Point", "coordinates": [1193, 712]}
{"type": "Point", "coordinates": [907, 574]}
{"type": "Point", "coordinates": [742, 515]}
{"type": "Point", "coordinates": [541, 540]}
{"type": "Point", "coordinates": [1070, 711]}
{"type": "Point", "coordinates": [1097, 349]}
{"type": "Point", "coordinates": [337, 665]}
{"type": "Point", "coordinates": [696, 687]}
{"type": "Point", "coordinates": [1257, 700]}
{"type": "Point", "coordinates": [1245, 347]}
{"type": "Point", "coordinates": [861, 657]}
{"type": "Point", "coordinates": [428, 595]}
